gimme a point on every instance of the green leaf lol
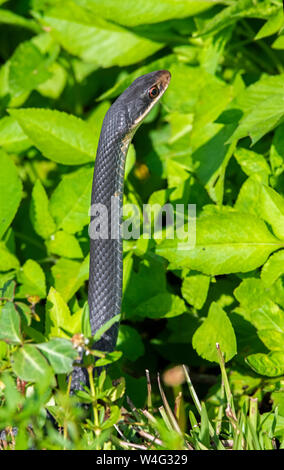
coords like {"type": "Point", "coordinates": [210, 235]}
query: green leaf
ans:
{"type": "Point", "coordinates": [54, 86]}
{"type": "Point", "coordinates": [216, 328]}
{"type": "Point", "coordinates": [270, 365]}
{"type": "Point", "coordinates": [9, 17]}
{"type": "Point", "coordinates": [30, 365]}
{"type": "Point", "coordinates": [195, 288]}
{"type": "Point", "coordinates": [10, 190]}
{"type": "Point", "coordinates": [58, 317]}
{"type": "Point", "coordinates": [273, 268]}
{"type": "Point", "coordinates": [69, 276]}
{"type": "Point", "coordinates": [71, 200]}
{"type": "Point", "coordinates": [64, 244]}
{"type": "Point", "coordinates": [28, 68]}
{"type": "Point", "coordinates": [225, 243]}
{"type": "Point", "coordinates": [8, 290]}
{"type": "Point", "coordinates": [60, 354]}
{"type": "Point", "coordinates": [163, 305]}
{"type": "Point", "coordinates": [107, 325]}
{"type": "Point", "coordinates": [144, 11]}
{"type": "Point", "coordinates": [231, 14]}
{"type": "Point", "coordinates": [272, 25]}
{"type": "Point", "coordinates": [253, 163]}
{"type": "Point", "coordinates": [261, 200]}
{"type": "Point", "coordinates": [278, 43]}
{"type": "Point", "coordinates": [10, 324]}
{"type": "Point", "coordinates": [272, 338]}
{"type": "Point", "coordinates": [32, 278]}
{"type": "Point", "coordinates": [109, 358]}
{"type": "Point", "coordinates": [60, 137]}
{"type": "Point", "coordinates": [12, 137]}
{"type": "Point", "coordinates": [114, 417]}
{"type": "Point", "coordinates": [85, 324]}
{"type": "Point", "coordinates": [192, 89]}
{"type": "Point", "coordinates": [41, 218]}
{"type": "Point", "coordinates": [261, 104]}
{"type": "Point", "coordinates": [259, 308]}
{"type": "Point", "coordinates": [130, 343]}
{"type": "Point", "coordinates": [7, 260]}
{"type": "Point", "coordinates": [94, 40]}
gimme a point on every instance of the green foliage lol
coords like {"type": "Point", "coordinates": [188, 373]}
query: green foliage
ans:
{"type": "Point", "coordinates": [215, 140]}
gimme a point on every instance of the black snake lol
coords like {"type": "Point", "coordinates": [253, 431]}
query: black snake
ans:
{"type": "Point", "coordinates": [105, 277]}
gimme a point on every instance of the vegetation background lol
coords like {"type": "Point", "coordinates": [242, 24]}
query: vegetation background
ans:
{"type": "Point", "coordinates": [217, 141]}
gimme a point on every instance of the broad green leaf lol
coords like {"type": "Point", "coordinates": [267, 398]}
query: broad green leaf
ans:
{"type": "Point", "coordinates": [54, 86]}
{"type": "Point", "coordinates": [59, 318]}
{"type": "Point", "coordinates": [211, 154]}
{"type": "Point", "coordinates": [273, 268]}
{"type": "Point", "coordinates": [259, 308]}
{"type": "Point", "coordinates": [95, 119]}
{"type": "Point", "coordinates": [9, 17]}
{"type": "Point", "coordinates": [30, 365]}
{"type": "Point", "coordinates": [270, 365]}
{"type": "Point", "coordinates": [195, 288]}
{"type": "Point", "coordinates": [8, 290]}
{"type": "Point", "coordinates": [277, 150]}
{"type": "Point", "coordinates": [163, 305]}
{"type": "Point", "coordinates": [28, 68]}
{"type": "Point", "coordinates": [10, 324]}
{"type": "Point", "coordinates": [32, 278]}
{"type": "Point", "coordinates": [263, 201]}
{"type": "Point", "coordinates": [192, 90]}
{"type": "Point", "coordinates": [278, 43]}
{"type": "Point", "coordinates": [261, 105]}
{"type": "Point", "coordinates": [71, 201]}
{"type": "Point", "coordinates": [41, 218]}
{"type": "Point", "coordinates": [130, 343]}
{"type": "Point", "coordinates": [272, 339]}
{"type": "Point", "coordinates": [60, 354]}
{"type": "Point", "coordinates": [268, 317]}
{"type": "Point", "coordinates": [216, 328]}
{"type": "Point", "coordinates": [253, 163]}
{"type": "Point", "coordinates": [94, 40]}
{"type": "Point", "coordinates": [144, 11]}
{"type": "Point", "coordinates": [10, 190]}
{"type": "Point", "coordinates": [225, 243]}
{"type": "Point", "coordinates": [7, 260]}
{"type": "Point", "coordinates": [235, 11]}
{"type": "Point", "coordinates": [60, 137]}
{"type": "Point", "coordinates": [150, 276]}
{"type": "Point", "coordinates": [272, 25]}
{"type": "Point", "coordinates": [69, 276]}
{"type": "Point", "coordinates": [12, 137]}
{"type": "Point", "coordinates": [251, 293]}
{"type": "Point", "coordinates": [64, 244]}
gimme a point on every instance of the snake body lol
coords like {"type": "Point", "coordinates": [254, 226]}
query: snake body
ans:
{"type": "Point", "coordinates": [105, 274]}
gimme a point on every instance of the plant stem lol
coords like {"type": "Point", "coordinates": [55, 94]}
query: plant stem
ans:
{"type": "Point", "coordinates": [93, 395]}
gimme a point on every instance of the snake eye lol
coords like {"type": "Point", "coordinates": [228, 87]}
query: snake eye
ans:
{"type": "Point", "coordinates": [153, 92]}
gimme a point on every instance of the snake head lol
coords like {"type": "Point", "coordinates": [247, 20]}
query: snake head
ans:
{"type": "Point", "coordinates": [140, 97]}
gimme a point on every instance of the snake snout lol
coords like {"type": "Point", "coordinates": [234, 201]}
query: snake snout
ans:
{"type": "Point", "coordinates": [164, 77]}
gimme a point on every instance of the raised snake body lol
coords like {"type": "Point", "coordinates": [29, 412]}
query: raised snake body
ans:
{"type": "Point", "coordinates": [105, 276]}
